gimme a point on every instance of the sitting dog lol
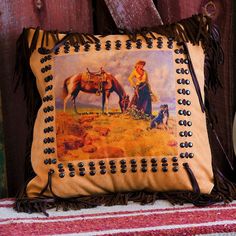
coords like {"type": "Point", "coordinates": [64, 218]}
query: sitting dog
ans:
{"type": "Point", "coordinates": [161, 118]}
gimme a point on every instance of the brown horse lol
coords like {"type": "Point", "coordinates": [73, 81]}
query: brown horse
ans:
{"type": "Point", "coordinates": [97, 83]}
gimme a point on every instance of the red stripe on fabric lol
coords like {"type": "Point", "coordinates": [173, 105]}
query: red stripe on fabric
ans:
{"type": "Point", "coordinates": [165, 211]}
{"type": "Point", "coordinates": [183, 231]}
{"type": "Point", "coordinates": [142, 221]}
{"type": "Point", "coordinates": [6, 205]}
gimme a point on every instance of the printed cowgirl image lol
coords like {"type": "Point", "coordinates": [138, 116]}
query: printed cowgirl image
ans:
{"type": "Point", "coordinates": [106, 100]}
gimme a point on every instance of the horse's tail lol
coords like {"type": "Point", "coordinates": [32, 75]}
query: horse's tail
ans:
{"type": "Point", "coordinates": [65, 88]}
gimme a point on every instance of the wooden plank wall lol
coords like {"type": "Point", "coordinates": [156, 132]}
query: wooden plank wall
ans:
{"type": "Point", "coordinates": [94, 16]}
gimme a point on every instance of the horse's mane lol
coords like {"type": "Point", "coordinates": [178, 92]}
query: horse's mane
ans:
{"type": "Point", "coordinates": [117, 86]}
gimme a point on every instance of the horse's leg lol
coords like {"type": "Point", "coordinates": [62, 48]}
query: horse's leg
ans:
{"type": "Point", "coordinates": [103, 101]}
{"type": "Point", "coordinates": [66, 99]}
{"type": "Point", "coordinates": [74, 104]}
{"type": "Point", "coordinates": [107, 101]}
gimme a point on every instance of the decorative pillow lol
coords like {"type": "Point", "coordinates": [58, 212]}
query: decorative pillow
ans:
{"type": "Point", "coordinates": [119, 117]}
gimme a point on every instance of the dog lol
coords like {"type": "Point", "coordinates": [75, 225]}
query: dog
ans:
{"type": "Point", "coordinates": [161, 119]}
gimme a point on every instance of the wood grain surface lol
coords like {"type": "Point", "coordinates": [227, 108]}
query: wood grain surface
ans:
{"type": "Point", "coordinates": [63, 15]}
{"type": "Point", "coordinates": [134, 14]}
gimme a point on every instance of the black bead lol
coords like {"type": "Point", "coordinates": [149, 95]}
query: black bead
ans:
{"type": "Point", "coordinates": [70, 165]}
{"type": "Point", "coordinates": [54, 161]}
{"type": "Point", "coordinates": [154, 164]}
{"type": "Point", "coordinates": [82, 173]}
{"type": "Point", "coordinates": [180, 112]}
{"type": "Point", "coordinates": [177, 60]}
{"type": "Point", "coordinates": [112, 162]}
{"type": "Point", "coordinates": [188, 113]}
{"type": "Point", "coordinates": [91, 163]}
{"type": "Point", "coordinates": [60, 165]}
{"type": "Point", "coordinates": [175, 168]}
{"type": "Point", "coordinates": [153, 160]}
{"type": "Point", "coordinates": [92, 168]}
{"type": "Point", "coordinates": [81, 169]}
{"type": "Point", "coordinates": [101, 162]}
{"type": "Point", "coordinates": [123, 170]}
{"type": "Point", "coordinates": [103, 167]}
{"type": "Point", "coordinates": [174, 159]}
{"type": "Point", "coordinates": [71, 169]}
{"type": "Point", "coordinates": [164, 160]}
{"type": "Point", "coordinates": [61, 175]}
{"type": "Point", "coordinates": [46, 161]}
{"type": "Point", "coordinates": [143, 160]}
{"type": "Point", "coordinates": [72, 174]}
{"type": "Point", "coordinates": [103, 171]}
{"type": "Point", "coordinates": [187, 81]}
{"type": "Point", "coordinates": [182, 155]}
{"type": "Point", "coordinates": [92, 172]}
{"type": "Point", "coordinates": [113, 171]}
{"type": "Point", "coordinates": [180, 101]}
{"type": "Point", "coordinates": [182, 145]}
{"type": "Point", "coordinates": [122, 161]}
{"type": "Point", "coordinates": [164, 169]}
{"type": "Point", "coordinates": [61, 170]}
{"type": "Point", "coordinates": [133, 161]}
{"type": "Point", "coordinates": [154, 169]}
{"type": "Point", "coordinates": [164, 164]}
{"type": "Point", "coordinates": [189, 123]}
{"type": "Point", "coordinates": [133, 165]}
{"type": "Point", "coordinates": [133, 170]}
{"type": "Point", "coordinates": [190, 133]}
{"type": "Point", "coordinates": [191, 155]}
{"type": "Point", "coordinates": [144, 169]}
{"type": "Point", "coordinates": [80, 164]}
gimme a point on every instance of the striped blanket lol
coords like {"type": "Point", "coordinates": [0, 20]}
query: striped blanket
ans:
{"type": "Point", "coordinates": [161, 218]}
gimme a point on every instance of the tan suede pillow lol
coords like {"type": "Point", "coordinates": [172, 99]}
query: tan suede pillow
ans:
{"type": "Point", "coordinates": [122, 117]}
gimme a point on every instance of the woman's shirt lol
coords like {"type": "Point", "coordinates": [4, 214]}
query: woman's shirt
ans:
{"type": "Point", "coordinates": [136, 79]}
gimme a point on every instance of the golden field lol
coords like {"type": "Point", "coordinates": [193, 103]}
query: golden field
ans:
{"type": "Point", "coordinates": [96, 135]}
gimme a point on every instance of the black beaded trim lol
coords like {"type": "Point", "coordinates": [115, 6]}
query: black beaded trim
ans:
{"type": "Point", "coordinates": [47, 98]}
{"type": "Point", "coordinates": [49, 119]}
{"type": "Point", "coordinates": [48, 88]}
{"type": "Point", "coordinates": [48, 109]}
{"type": "Point", "coordinates": [50, 161]}
{"type": "Point", "coordinates": [184, 113]}
{"type": "Point", "coordinates": [170, 43]}
{"type": "Point", "coordinates": [108, 45]}
{"type": "Point", "coordinates": [48, 78]}
{"type": "Point", "coordinates": [49, 150]}
{"type": "Point", "coordinates": [186, 155]}
{"type": "Point", "coordinates": [49, 140]}
{"type": "Point", "coordinates": [117, 45]}
{"type": "Point", "coordinates": [183, 102]}
{"type": "Point", "coordinates": [48, 129]}
{"type": "Point", "coordinates": [46, 58]}
{"type": "Point", "coordinates": [183, 81]}
{"type": "Point", "coordinates": [46, 68]}
{"type": "Point", "coordinates": [186, 144]}
{"type": "Point", "coordinates": [139, 43]}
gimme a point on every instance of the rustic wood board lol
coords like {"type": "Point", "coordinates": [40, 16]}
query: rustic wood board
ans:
{"type": "Point", "coordinates": [63, 15]}
{"type": "Point", "coordinates": [134, 14]}
{"type": "Point", "coordinates": [3, 175]}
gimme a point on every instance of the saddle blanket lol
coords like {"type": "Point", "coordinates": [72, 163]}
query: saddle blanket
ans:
{"type": "Point", "coordinates": [161, 218]}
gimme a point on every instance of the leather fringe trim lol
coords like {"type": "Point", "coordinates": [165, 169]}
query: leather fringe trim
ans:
{"type": "Point", "coordinates": [42, 203]}
{"type": "Point", "coordinates": [223, 191]}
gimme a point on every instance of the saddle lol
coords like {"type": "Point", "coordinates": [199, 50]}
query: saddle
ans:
{"type": "Point", "coordinates": [98, 77]}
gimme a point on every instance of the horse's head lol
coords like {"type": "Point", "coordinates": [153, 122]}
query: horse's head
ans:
{"type": "Point", "coordinates": [124, 103]}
